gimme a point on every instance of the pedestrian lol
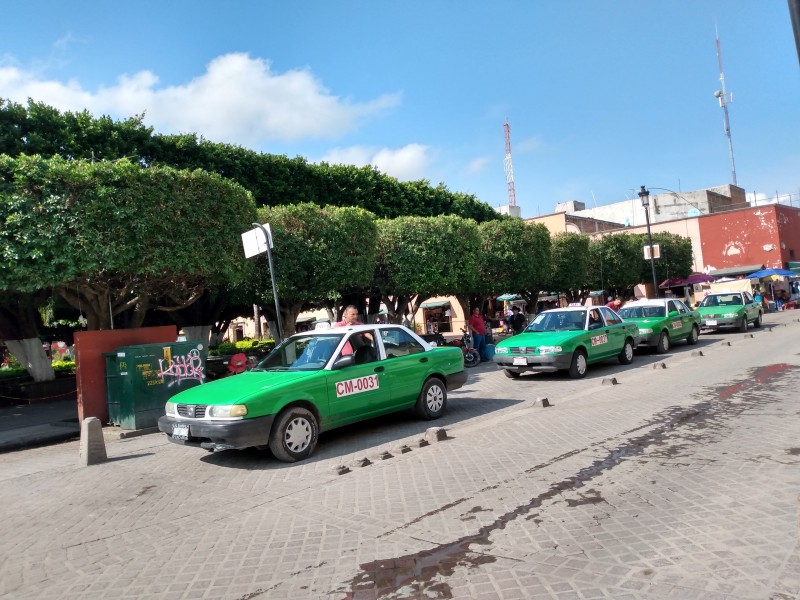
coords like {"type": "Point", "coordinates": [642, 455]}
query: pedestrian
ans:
{"type": "Point", "coordinates": [477, 329]}
{"type": "Point", "coordinates": [516, 320]}
{"type": "Point", "coordinates": [615, 304]}
{"type": "Point", "coordinates": [349, 317]}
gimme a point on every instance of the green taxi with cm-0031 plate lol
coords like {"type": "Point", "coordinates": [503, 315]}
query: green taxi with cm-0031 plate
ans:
{"type": "Point", "coordinates": [570, 339]}
{"type": "Point", "coordinates": [729, 309]}
{"type": "Point", "coordinates": [313, 382]}
{"type": "Point", "coordinates": [662, 321]}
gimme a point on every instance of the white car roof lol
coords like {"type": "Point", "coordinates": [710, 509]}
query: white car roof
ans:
{"type": "Point", "coordinates": [649, 302]}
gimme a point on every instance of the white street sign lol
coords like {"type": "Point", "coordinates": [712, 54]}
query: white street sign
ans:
{"type": "Point", "coordinates": [254, 242]}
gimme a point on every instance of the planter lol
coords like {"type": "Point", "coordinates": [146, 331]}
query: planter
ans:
{"type": "Point", "coordinates": [25, 391]}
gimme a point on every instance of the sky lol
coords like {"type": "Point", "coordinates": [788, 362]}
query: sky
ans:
{"type": "Point", "coordinates": [601, 96]}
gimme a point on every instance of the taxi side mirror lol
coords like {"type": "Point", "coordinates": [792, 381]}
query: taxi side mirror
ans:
{"type": "Point", "coordinates": [343, 361]}
{"type": "Point", "coordinates": [673, 313]}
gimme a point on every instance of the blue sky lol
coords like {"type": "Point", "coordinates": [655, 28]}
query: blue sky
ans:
{"type": "Point", "coordinates": [602, 96]}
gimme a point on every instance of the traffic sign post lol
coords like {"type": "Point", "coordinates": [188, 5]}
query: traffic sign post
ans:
{"type": "Point", "coordinates": [255, 242]}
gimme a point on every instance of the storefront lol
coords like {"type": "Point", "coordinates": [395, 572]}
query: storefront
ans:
{"type": "Point", "coordinates": [437, 316]}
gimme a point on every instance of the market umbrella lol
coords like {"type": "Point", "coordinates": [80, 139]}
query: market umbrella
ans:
{"type": "Point", "coordinates": [668, 283]}
{"type": "Point", "coordinates": [763, 273]}
{"type": "Point", "coordinates": [699, 278]}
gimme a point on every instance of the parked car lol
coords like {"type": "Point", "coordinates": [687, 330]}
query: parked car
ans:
{"type": "Point", "coordinates": [730, 310]}
{"type": "Point", "coordinates": [662, 321]}
{"type": "Point", "coordinates": [568, 339]}
{"type": "Point", "coordinates": [313, 382]}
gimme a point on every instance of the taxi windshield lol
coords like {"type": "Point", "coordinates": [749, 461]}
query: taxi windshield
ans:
{"type": "Point", "coordinates": [642, 312]}
{"type": "Point", "coordinates": [722, 300]}
{"type": "Point", "coordinates": [301, 353]}
{"type": "Point", "coordinates": [568, 320]}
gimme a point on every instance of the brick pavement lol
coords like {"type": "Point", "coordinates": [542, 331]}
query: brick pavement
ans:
{"type": "Point", "coordinates": [680, 482]}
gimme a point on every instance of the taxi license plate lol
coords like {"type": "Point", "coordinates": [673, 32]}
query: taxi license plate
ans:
{"type": "Point", "coordinates": [180, 432]}
{"type": "Point", "coordinates": [520, 360]}
{"type": "Point", "coordinates": [711, 322]}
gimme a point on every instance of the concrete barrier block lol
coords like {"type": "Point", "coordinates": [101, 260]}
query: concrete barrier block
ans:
{"type": "Point", "coordinates": [698, 353]}
{"type": "Point", "coordinates": [660, 365]}
{"type": "Point", "coordinates": [361, 462]}
{"type": "Point", "coordinates": [610, 381]}
{"type": "Point", "coordinates": [543, 401]}
{"type": "Point", "coordinates": [93, 445]}
{"type": "Point", "coordinates": [435, 434]}
{"type": "Point", "coordinates": [401, 449]}
{"type": "Point", "coordinates": [341, 469]}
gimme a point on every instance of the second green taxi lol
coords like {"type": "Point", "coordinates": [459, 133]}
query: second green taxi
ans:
{"type": "Point", "coordinates": [662, 321]}
{"type": "Point", "coordinates": [568, 339]}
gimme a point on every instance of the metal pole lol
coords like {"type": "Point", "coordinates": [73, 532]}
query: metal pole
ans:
{"type": "Point", "coordinates": [272, 277]}
{"type": "Point", "coordinates": [794, 12]}
{"type": "Point", "coordinates": [650, 243]}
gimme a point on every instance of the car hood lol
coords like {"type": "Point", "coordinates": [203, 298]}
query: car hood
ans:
{"type": "Point", "coordinates": [540, 338]}
{"type": "Point", "coordinates": [236, 389]}
{"type": "Point", "coordinates": [719, 310]}
{"type": "Point", "coordinates": [648, 321]}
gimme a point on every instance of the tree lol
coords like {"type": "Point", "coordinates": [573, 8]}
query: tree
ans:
{"type": "Point", "coordinates": [514, 257]}
{"type": "Point", "coordinates": [419, 257]}
{"type": "Point", "coordinates": [569, 265]}
{"type": "Point", "coordinates": [676, 257]}
{"type": "Point", "coordinates": [318, 252]}
{"type": "Point", "coordinates": [112, 236]}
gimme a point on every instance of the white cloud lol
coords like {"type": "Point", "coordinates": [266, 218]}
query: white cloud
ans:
{"type": "Point", "coordinates": [477, 165]}
{"type": "Point", "coordinates": [238, 99]}
{"type": "Point", "coordinates": [408, 163]}
{"type": "Point", "coordinates": [528, 145]}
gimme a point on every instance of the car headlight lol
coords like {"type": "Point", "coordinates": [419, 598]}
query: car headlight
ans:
{"type": "Point", "coordinates": [549, 349]}
{"type": "Point", "coordinates": [730, 315]}
{"type": "Point", "coordinates": [227, 410]}
{"type": "Point", "coordinates": [645, 330]}
{"type": "Point", "coordinates": [501, 350]}
{"type": "Point", "coordinates": [171, 408]}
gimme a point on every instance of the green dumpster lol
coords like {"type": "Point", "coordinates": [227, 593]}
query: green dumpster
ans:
{"type": "Point", "coordinates": [140, 379]}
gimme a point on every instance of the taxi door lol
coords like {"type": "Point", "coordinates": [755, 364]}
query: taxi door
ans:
{"type": "Point", "coordinates": [598, 343]}
{"type": "Point", "coordinates": [614, 331]}
{"type": "Point", "coordinates": [358, 390]}
{"type": "Point", "coordinates": [407, 364]}
{"type": "Point", "coordinates": [751, 306]}
{"type": "Point", "coordinates": [680, 326]}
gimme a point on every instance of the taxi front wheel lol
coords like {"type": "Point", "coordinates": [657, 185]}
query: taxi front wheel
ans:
{"type": "Point", "coordinates": [432, 399]}
{"type": "Point", "coordinates": [294, 435]}
{"type": "Point", "coordinates": [578, 366]}
{"type": "Point", "coordinates": [626, 356]}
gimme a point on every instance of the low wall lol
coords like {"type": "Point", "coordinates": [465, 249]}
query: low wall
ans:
{"type": "Point", "coordinates": [24, 391]}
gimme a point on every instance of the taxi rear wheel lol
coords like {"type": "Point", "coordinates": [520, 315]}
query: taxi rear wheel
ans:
{"type": "Point", "coordinates": [743, 325]}
{"type": "Point", "coordinates": [626, 356]}
{"type": "Point", "coordinates": [757, 322]}
{"type": "Point", "coordinates": [432, 399]}
{"type": "Point", "coordinates": [510, 374]}
{"type": "Point", "coordinates": [579, 365]}
{"type": "Point", "coordinates": [663, 343]}
{"type": "Point", "coordinates": [294, 435]}
{"type": "Point", "coordinates": [693, 336]}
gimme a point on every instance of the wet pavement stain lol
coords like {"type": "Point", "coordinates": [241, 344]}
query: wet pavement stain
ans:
{"type": "Point", "coordinates": [793, 451]}
{"type": "Point", "coordinates": [589, 497]}
{"type": "Point", "coordinates": [424, 574]}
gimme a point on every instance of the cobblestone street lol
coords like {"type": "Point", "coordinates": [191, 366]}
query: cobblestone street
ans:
{"type": "Point", "coordinates": [680, 481]}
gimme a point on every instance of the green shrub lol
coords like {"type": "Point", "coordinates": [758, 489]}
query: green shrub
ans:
{"type": "Point", "coordinates": [247, 346]}
{"type": "Point", "coordinates": [13, 371]}
{"type": "Point", "coordinates": [64, 367]}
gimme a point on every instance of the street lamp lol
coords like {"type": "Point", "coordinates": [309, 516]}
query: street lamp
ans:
{"type": "Point", "coordinates": [644, 196]}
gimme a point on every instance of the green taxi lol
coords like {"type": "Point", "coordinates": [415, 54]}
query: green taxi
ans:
{"type": "Point", "coordinates": [314, 382]}
{"type": "Point", "coordinates": [737, 310]}
{"type": "Point", "coordinates": [662, 321]}
{"type": "Point", "coordinates": [567, 339]}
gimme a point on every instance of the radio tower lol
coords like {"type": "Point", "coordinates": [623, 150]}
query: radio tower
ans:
{"type": "Point", "coordinates": [512, 208]}
{"type": "Point", "coordinates": [723, 96]}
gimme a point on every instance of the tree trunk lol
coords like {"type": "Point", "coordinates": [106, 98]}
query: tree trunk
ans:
{"type": "Point", "coordinates": [31, 355]}
{"type": "Point", "coordinates": [198, 333]}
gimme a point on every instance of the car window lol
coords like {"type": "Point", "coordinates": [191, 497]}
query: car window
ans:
{"type": "Point", "coordinates": [654, 312]}
{"type": "Point", "coordinates": [748, 298]}
{"type": "Point", "coordinates": [572, 320]}
{"type": "Point", "coordinates": [595, 319]}
{"type": "Point", "coordinates": [610, 316]}
{"type": "Point", "coordinates": [303, 352]}
{"type": "Point", "coordinates": [682, 308]}
{"type": "Point", "coordinates": [397, 342]}
{"type": "Point", "coordinates": [631, 312]}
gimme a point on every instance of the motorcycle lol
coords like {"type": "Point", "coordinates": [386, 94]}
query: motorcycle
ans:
{"type": "Point", "coordinates": [471, 356]}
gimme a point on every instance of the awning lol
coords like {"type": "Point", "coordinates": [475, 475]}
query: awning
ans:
{"type": "Point", "coordinates": [509, 297]}
{"type": "Point", "coordinates": [305, 319]}
{"type": "Point", "coordinates": [730, 271]}
{"type": "Point", "coordinates": [436, 304]}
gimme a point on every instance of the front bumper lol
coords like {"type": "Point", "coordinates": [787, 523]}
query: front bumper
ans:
{"type": "Point", "coordinates": [721, 322]}
{"type": "Point", "coordinates": [539, 363]}
{"type": "Point", "coordinates": [456, 380]}
{"type": "Point", "coordinates": [649, 339]}
{"type": "Point", "coordinates": [221, 435]}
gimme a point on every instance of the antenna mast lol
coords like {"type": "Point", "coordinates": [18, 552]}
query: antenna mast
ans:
{"type": "Point", "coordinates": [508, 167]}
{"type": "Point", "coordinates": [722, 96]}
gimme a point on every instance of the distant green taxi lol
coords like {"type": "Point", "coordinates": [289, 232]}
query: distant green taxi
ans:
{"type": "Point", "coordinates": [662, 321]}
{"type": "Point", "coordinates": [737, 310]}
{"type": "Point", "coordinates": [314, 382]}
{"type": "Point", "coordinates": [568, 339]}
